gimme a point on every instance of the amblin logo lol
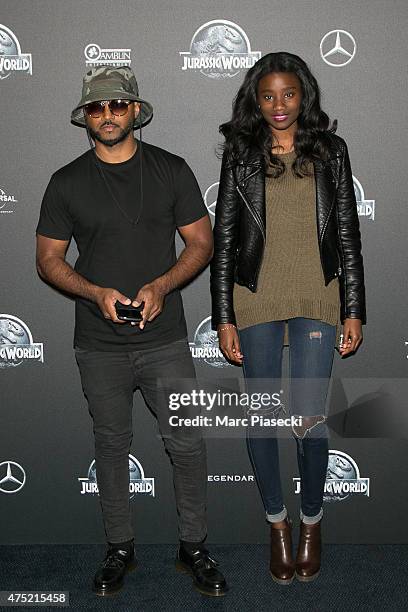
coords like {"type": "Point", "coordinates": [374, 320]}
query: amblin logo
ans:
{"type": "Point", "coordinates": [95, 56]}
{"type": "Point", "coordinates": [16, 343]}
{"type": "Point", "coordinates": [342, 479]}
{"type": "Point", "coordinates": [219, 49]}
{"type": "Point", "coordinates": [138, 485]}
{"type": "Point", "coordinates": [11, 58]}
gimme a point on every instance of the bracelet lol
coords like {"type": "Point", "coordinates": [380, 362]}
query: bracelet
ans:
{"type": "Point", "coordinates": [227, 326]}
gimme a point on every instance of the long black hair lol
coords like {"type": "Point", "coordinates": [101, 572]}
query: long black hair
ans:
{"type": "Point", "coordinates": [248, 130]}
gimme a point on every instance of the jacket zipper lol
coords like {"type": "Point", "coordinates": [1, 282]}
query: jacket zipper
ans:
{"type": "Point", "coordinates": [320, 241]}
{"type": "Point", "coordinates": [250, 176]}
{"type": "Point", "coordinates": [257, 221]}
{"type": "Point", "coordinates": [259, 224]}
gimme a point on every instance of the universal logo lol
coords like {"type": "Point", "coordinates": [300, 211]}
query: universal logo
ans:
{"type": "Point", "coordinates": [16, 343]}
{"type": "Point", "coordinates": [138, 485]}
{"type": "Point", "coordinates": [204, 347]}
{"type": "Point", "coordinates": [219, 49]}
{"type": "Point", "coordinates": [12, 477]}
{"type": "Point", "coordinates": [95, 56]}
{"type": "Point", "coordinates": [366, 208]}
{"type": "Point", "coordinates": [337, 48]}
{"type": "Point", "coordinates": [5, 198]}
{"type": "Point", "coordinates": [342, 479]}
{"type": "Point", "coordinates": [11, 58]}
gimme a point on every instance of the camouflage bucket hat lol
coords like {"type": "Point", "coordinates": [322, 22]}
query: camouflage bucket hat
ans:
{"type": "Point", "coordinates": [110, 83]}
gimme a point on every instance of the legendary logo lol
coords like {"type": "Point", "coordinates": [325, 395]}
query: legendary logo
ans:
{"type": "Point", "coordinates": [96, 56]}
{"type": "Point", "coordinates": [210, 198]}
{"type": "Point", "coordinates": [12, 477]}
{"type": "Point", "coordinates": [219, 49]}
{"type": "Point", "coordinates": [342, 479]}
{"type": "Point", "coordinates": [234, 478]}
{"type": "Point", "coordinates": [11, 58]}
{"type": "Point", "coordinates": [366, 208]}
{"type": "Point", "coordinates": [205, 347]}
{"type": "Point", "coordinates": [337, 48]}
{"type": "Point", "coordinates": [5, 198]}
{"type": "Point", "coordinates": [138, 485]}
{"type": "Point", "coordinates": [16, 343]}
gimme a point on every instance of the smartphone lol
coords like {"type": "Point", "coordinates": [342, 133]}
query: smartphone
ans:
{"type": "Point", "coordinates": [129, 313]}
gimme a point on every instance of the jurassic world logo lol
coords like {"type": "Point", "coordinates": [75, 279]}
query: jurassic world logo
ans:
{"type": "Point", "coordinates": [365, 208]}
{"type": "Point", "coordinates": [138, 483]}
{"type": "Point", "coordinates": [11, 58]}
{"type": "Point", "coordinates": [204, 347]}
{"type": "Point", "coordinates": [342, 478]}
{"type": "Point", "coordinates": [219, 49]}
{"type": "Point", "coordinates": [16, 343]}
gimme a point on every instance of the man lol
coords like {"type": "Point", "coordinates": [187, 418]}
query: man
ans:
{"type": "Point", "coordinates": [122, 202]}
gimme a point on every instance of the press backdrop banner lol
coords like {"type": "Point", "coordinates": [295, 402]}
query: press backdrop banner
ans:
{"type": "Point", "coordinates": [190, 59]}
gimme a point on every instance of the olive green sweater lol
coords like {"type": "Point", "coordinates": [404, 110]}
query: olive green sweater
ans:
{"type": "Point", "coordinates": [291, 281]}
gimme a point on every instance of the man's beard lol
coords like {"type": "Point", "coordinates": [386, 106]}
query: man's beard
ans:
{"type": "Point", "coordinates": [110, 142]}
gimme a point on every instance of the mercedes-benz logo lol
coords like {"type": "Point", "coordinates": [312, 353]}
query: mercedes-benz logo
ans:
{"type": "Point", "coordinates": [210, 198]}
{"type": "Point", "coordinates": [12, 477]}
{"type": "Point", "coordinates": [337, 48]}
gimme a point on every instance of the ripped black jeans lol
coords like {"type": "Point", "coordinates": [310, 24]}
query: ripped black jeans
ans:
{"type": "Point", "coordinates": [311, 354]}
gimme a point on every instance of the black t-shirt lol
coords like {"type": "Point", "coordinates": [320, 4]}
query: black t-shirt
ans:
{"type": "Point", "coordinates": [113, 252]}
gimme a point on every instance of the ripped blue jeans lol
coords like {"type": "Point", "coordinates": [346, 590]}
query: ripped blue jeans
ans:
{"type": "Point", "coordinates": [311, 353]}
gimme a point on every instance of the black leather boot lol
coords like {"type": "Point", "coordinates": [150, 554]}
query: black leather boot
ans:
{"type": "Point", "coordinates": [206, 578]}
{"type": "Point", "coordinates": [109, 577]}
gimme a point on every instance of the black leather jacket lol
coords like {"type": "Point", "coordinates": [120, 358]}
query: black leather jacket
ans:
{"type": "Point", "coordinates": [239, 231]}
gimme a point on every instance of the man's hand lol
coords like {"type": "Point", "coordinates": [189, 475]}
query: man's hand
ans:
{"type": "Point", "coordinates": [352, 336]}
{"type": "Point", "coordinates": [229, 342]}
{"type": "Point", "coordinates": [152, 295]}
{"type": "Point", "coordinates": [106, 300]}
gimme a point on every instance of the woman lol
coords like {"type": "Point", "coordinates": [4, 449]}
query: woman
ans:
{"type": "Point", "coordinates": [287, 269]}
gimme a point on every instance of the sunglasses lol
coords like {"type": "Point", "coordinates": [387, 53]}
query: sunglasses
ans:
{"type": "Point", "coordinates": [116, 107]}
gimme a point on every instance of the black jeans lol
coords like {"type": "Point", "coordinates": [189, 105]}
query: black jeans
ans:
{"type": "Point", "coordinates": [311, 354]}
{"type": "Point", "coordinates": [109, 380]}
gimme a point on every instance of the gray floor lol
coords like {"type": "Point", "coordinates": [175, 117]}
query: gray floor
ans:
{"type": "Point", "coordinates": [352, 578]}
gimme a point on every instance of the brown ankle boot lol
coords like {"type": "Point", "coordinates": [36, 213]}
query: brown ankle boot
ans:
{"type": "Point", "coordinates": [282, 565]}
{"type": "Point", "coordinates": [309, 551]}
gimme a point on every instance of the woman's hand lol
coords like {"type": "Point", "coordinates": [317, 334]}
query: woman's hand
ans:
{"type": "Point", "coordinates": [229, 342]}
{"type": "Point", "coordinates": [352, 336]}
